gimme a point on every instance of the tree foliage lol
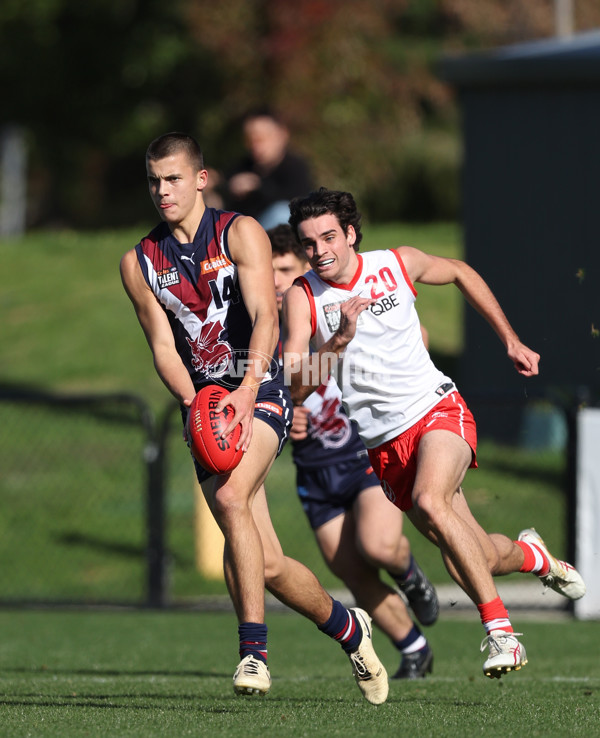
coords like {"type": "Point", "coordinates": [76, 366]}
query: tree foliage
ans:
{"type": "Point", "coordinates": [92, 83]}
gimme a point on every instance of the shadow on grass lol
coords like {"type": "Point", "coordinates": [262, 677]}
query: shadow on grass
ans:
{"type": "Point", "coordinates": [111, 701]}
{"type": "Point", "coordinates": [70, 701]}
{"type": "Point", "coordinates": [116, 672]}
{"type": "Point", "coordinates": [95, 543]}
{"type": "Point", "coordinates": [102, 545]}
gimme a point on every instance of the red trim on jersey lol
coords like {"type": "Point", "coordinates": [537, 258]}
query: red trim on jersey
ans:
{"type": "Point", "coordinates": [225, 221]}
{"type": "Point", "coordinates": [184, 290]}
{"type": "Point", "coordinates": [354, 279]}
{"type": "Point", "coordinates": [303, 282]}
{"type": "Point", "coordinates": [407, 279]}
{"type": "Point", "coordinates": [270, 407]}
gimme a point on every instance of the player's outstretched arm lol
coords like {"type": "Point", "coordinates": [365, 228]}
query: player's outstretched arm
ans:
{"type": "Point", "coordinates": [437, 270]}
{"type": "Point", "coordinates": [157, 330]}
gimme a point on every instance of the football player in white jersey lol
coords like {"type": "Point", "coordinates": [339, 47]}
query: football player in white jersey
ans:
{"type": "Point", "coordinates": [356, 312]}
{"type": "Point", "coordinates": [358, 532]}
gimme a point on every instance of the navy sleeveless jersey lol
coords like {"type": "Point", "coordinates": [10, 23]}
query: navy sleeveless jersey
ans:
{"type": "Point", "coordinates": [332, 436]}
{"type": "Point", "coordinates": [197, 285]}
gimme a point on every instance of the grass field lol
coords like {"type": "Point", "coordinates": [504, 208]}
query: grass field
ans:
{"type": "Point", "coordinates": [151, 674]}
{"type": "Point", "coordinates": [68, 327]}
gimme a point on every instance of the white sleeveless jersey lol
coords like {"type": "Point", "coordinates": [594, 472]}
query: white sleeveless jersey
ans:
{"type": "Point", "coordinates": [386, 376]}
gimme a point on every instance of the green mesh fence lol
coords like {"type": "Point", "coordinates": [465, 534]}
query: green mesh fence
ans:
{"type": "Point", "coordinates": [72, 499]}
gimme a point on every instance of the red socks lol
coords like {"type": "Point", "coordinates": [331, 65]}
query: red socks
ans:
{"type": "Point", "coordinates": [536, 561]}
{"type": "Point", "coordinates": [494, 616]}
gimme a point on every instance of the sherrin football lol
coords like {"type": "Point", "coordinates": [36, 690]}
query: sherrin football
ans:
{"type": "Point", "coordinates": [215, 454]}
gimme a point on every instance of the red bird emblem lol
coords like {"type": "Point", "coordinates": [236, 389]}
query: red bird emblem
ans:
{"type": "Point", "coordinates": [210, 355]}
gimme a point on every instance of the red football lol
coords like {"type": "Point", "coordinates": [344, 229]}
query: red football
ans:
{"type": "Point", "coordinates": [217, 455]}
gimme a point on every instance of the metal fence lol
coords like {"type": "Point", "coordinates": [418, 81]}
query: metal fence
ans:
{"type": "Point", "coordinates": [75, 520]}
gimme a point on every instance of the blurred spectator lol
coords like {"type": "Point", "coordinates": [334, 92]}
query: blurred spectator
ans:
{"type": "Point", "coordinates": [270, 175]}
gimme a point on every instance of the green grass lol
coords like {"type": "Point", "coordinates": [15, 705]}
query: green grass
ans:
{"type": "Point", "coordinates": [68, 324]}
{"type": "Point", "coordinates": [169, 674]}
{"type": "Point", "coordinates": [440, 309]}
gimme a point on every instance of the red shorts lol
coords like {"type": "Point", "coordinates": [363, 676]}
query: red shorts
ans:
{"type": "Point", "coordinates": [395, 461]}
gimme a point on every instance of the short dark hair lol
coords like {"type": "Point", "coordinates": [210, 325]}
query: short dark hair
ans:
{"type": "Point", "coordinates": [263, 111]}
{"type": "Point", "coordinates": [173, 143]}
{"type": "Point", "coordinates": [323, 201]}
{"type": "Point", "coordinates": [284, 242]}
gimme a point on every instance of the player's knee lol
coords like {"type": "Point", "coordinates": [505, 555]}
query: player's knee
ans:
{"type": "Point", "coordinates": [229, 503]}
{"type": "Point", "coordinates": [430, 508]}
{"type": "Point", "coordinates": [378, 551]}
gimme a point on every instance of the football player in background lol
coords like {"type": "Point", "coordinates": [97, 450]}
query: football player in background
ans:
{"type": "Point", "coordinates": [202, 287]}
{"type": "Point", "coordinates": [357, 313]}
{"type": "Point", "coordinates": [359, 532]}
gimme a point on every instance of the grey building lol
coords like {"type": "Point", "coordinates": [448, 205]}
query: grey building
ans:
{"type": "Point", "coordinates": [531, 212]}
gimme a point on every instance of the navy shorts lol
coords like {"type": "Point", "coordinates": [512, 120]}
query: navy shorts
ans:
{"type": "Point", "coordinates": [331, 490]}
{"type": "Point", "coordinates": [274, 407]}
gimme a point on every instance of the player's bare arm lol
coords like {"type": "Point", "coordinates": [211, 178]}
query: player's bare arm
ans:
{"type": "Point", "coordinates": [157, 330]}
{"type": "Point", "coordinates": [437, 270]}
{"type": "Point", "coordinates": [308, 371]}
{"type": "Point", "coordinates": [250, 249]}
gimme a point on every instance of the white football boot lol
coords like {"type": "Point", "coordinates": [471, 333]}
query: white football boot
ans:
{"type": "Point", "coordinates": [505, 653]}
{"type": "Point", "coordinates": [367, 669]}
{"type": "Point", "coordinates": [562, 577]}
{"type": "Point", "coordinates": [251, 677]}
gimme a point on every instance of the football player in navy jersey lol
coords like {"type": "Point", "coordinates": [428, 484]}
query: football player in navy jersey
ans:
{"type": "Point", "coordinates": [201, 283]}
{"type": "Point", "coordinates": [359, 532]}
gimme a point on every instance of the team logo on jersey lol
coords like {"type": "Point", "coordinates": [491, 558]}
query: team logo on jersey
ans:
{"type": "Point", "coordinates": [332, 315]}
{"type": "Point", "coordinates": [327, 423]}
{"type": "Point", "coordinates": [210, 355]}
{"type": "Point", "coordinates": [167, 277]}
{"type": "Point", "coordinates": [213, 265]}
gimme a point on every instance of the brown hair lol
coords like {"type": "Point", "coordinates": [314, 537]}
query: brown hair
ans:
{"type": "Point", "coordinates": [323, 201]}
{"type": "Point", "coordinates": [174, 143]}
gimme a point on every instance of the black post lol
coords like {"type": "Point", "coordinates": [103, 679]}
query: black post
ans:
{"type": "Point", "coordinates": [155, 525]}
{"type": "Point", "coordinates": [157, 554]}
